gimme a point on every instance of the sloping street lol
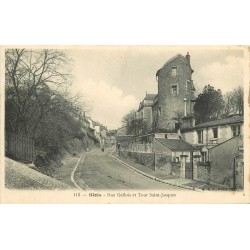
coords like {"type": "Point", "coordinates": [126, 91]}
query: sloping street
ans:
{"type": "Point", "coordinates": [101, 172]}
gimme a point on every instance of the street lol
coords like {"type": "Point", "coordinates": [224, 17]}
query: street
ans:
{"type": "Point", "coordinates": [100, 172]}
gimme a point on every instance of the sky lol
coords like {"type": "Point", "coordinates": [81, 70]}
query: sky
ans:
{"type": "Point", "coordinates": [114, 79]}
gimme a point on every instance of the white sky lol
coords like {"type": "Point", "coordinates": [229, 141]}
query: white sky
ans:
{"type": "Point", "coordinates": [114, 79]}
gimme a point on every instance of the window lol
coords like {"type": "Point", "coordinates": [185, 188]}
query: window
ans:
{"type": "Point", "coordinates": [176, 126]}
{"type": "Point", "coordinates": [187, 84]}
{"type": "Point", "coordinates": [203, 157]}
{"type": "Point", "coordinates": [236, 130]}
{"type": "Point", "coordinates": [215, 132]}
{"type": "Point", "coordinates": [174, 90]}
{"type": "Point", "coordinates": [159, 111]}
{"type": "Point", "coordinates": [200, 136]}
{"type": "Point", "coordinates": [174, 71]}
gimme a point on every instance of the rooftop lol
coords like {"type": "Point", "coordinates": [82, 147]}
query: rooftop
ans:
{"type": "Point", "coordinates": [226, 121]}
{"type": "Point", "coordinates": [172, 58]}
{"type": "Point", "coordinates": [176, 144]}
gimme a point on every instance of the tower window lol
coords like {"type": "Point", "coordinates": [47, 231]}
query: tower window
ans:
{"type": "Point", "coordinates": [187, 84]}
{"type": "Point", "coordinates": [174, 90]}
{"type": "Point", "coordinates": [174, 71]}
{"type": "Point", "coordinates": [159, 111]}
{"type": "Point", "coordinates": [176, 126]}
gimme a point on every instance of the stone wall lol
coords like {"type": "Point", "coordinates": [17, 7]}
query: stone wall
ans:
{"type": "Point", "coordinates": [176, 169]}
{"type": "Point", "coordinates": [143, 144]}
{"type": "Point", "coordinates": [163, 162]}
{"type": "Point", "coordinates": [145, 159]}
{"type": "Point", "coordinates": [150, 160]}
{"type": "Point", "coordinates": [147, 151]}
{"type": "Point", "coordinates": [202, 173]}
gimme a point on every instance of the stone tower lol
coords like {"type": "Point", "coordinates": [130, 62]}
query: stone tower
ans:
{"type": "Point", "coordinates": [175, 93]}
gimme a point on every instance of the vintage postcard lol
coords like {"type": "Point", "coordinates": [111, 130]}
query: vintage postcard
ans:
{"type": "Point", "coordinates": [125, 124]}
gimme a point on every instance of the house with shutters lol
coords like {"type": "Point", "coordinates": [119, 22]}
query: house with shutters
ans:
{"type": "Point", "coordinates": [207, 135]}
{"type": "Point", "coordinates": [220, 143]}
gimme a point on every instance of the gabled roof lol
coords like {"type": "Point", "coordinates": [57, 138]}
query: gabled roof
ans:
{"type": "Point", "coordinates": [238, 138]}
{"type": "Point", "coordinates": [176, 144]}
{"type": "Point", "coordinates": [173, 58]}
{"type": "Point", "coordinates": [226, 121]}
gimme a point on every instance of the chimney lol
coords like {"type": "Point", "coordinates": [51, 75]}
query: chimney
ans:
{"type": "Point", "coordinates": [188, 57]}
{"type": "Point", "coordinates": [185, 107]}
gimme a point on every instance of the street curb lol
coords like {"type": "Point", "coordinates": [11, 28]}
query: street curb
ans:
{"type": "Point", "coordinates": [73, 175]}
{"type": "Point", "coordinates": [153, 177]}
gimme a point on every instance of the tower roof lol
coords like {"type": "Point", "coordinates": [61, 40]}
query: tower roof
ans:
{"type": "Point", "coordinates": [174, 57]}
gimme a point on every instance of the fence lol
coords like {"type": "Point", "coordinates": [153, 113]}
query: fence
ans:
{"type": "Point", "coordinates": [19, 147]}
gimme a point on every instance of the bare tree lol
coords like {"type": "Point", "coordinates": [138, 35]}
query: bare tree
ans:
{"type": "Point", "coordinates": [37, 82]}
{"type": "Point", "coordinates": [234, 102]}
{"type": "Point", "coordinates": [135, 124]}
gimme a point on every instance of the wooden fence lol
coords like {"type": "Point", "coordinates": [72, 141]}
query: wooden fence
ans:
{"type": "Point", "coordinates": [19, 147]}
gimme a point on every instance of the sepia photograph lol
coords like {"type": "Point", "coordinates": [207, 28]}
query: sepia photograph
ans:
{"type": "Point", "coordinates": [105, 121]}
{"type": "Point", "coordinates": [124, 124]}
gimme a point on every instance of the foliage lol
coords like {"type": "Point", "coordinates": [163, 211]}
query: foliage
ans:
{"type": "Point", "coordinates": [234, 102]}
{"type": "Point", "coordinates": [178, 116]}
{"type": "Point", "coordinates": [135, 124]}
{"type": "Point", "coordinates": [209, 104]}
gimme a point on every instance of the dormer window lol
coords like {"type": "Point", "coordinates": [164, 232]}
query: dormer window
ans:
{"type": "Point", "coordinates": [174, 71]}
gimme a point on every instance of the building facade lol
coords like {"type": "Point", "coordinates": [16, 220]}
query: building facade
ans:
{"type": "Point", "coordinates": [163, 151]}
{"type": "Point", "coordinates": [175, 97]}
{"type": "Point", "coordinates": [175, 93]}
{"type": "Point", "coordinates": [174, 143]}
{"type": "Point", "coordinates": [145, 110]}
{"type": "Point", "coordinates": [210, 134]}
